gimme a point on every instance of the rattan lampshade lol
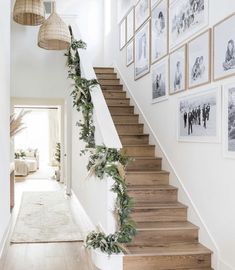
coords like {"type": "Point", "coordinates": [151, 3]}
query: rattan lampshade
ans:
{"type": "Point", "coordinates": [29, 12]}
{"type": "Point", "coordinates": [54, 34]}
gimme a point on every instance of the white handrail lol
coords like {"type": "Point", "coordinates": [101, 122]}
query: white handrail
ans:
{"type": "Point", "coordinates": [107, 133]}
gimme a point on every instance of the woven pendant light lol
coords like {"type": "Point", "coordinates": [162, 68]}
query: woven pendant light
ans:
{"type": "Point", "coordinates": [29, 12]}
{"type": "Point", "coordinates": [54, 33]}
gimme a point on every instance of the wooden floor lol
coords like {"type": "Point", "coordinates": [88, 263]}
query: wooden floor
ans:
{"type": "Point", "coordinates": [51, 256]}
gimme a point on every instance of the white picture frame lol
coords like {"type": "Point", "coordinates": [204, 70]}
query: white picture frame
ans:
{"type": "Point", "coordinates": [224, 48]}
{"type": "Point", "coordinates": [160, 81]}
{"type": "Point", "coordinates": [229, 120]}
{"type": "Point", "coordinates": [122, 34]}
{"type": "Point", "coordinates": [159, 31]}
{"type": "Point", "coordinates": [142, 13]}
{"type": "Point", "coordinates": [199, 60]}
{"type": "Point", "coordinates": [142, 51]}
{"type": "Point", "coordinates": [130, 25]}
{"type": "Point", "coordinates": [205, 127]}
{"type": "Point", "coordinates": [130, 53]}
{"type": "Point", "coordinates": [177, 70]}
{"type": "Point", "coordinates": [186, 18]}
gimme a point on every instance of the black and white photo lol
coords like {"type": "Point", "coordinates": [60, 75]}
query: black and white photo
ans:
{"type": "Point", "coordinates": [178, 70]}
{"type": "Point", "coordinates": [142, 51]}
{"type": "Point", "coordinates": [229, 120]}
{"type": "Point", "coordinates": [224, 48]}
{"type": "Point", "coordinates": [199, 59]}
{"type": "Point", "coordinates": [142, 12]}
{"type": "Point", "coordinates": [186, 17]}
{"type": "Point", "coordinates": [199, 116]}
{"type": "Point", "coordinates": [122, 34]}
{"type": "Point", "coordinates": [160, 81]}
{"type": "Point", "coordinates": [130, 25]}
{"type": "Point", "coordinates": [130, 53]}
{"type": "Point", "coordinates": [159, 31]}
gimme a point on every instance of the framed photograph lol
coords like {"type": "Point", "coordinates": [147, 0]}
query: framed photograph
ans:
{"type": "Point", "coordinates": [123, 7]}
{"type": "Point", "coordinates": [122, 34]}
{"type": "Point", "coordinates": [224, 48]}
{"type": "Point", "coordinates": [199, 116]}
{"type": "Point", "coordinates": [177, 70]}
{"type": "Point", "coordinates": [130, 25]}
{"type": "Point", "coordinates": [130, 53]}
{"type": "Point", "coordinates": [159, 31]}
{"type": "Point", "coordinates": [160, 81]}
{"type": "Point", "coordinates": [142, 12]}
{"type": "Point", "coordinates": [199, 60]}
{"type": "Point", "coordinates": [229, 120]}
{"type": "Point", "coordinates": [186, 18]}
{"type": "Point", "coordinates": [142, 51]}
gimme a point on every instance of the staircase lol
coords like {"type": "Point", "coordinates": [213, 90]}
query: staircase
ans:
{"type": "Point", "coordinates": [165, 239]}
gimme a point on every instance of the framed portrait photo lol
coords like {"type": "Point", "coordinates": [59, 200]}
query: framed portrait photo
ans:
{"type": "Point", "coordinates": [199, 60]}
{"type": "Point", "coordinates": [229, 120]}
{"type": "Point", "coordinates": [130, 29]}
{"type": "Point", "coordinates": [224, 48]}
{"type": "Point", "coordinates": [142, 12]}
{"type": "Point", "coordinates": [159, 31]}
{"type": "Point", "coordinates": [142, 51]}
{"type": "Point", "coordinates": [177, 70]}
{"type": "Point", "coordinates": [199, 116]}
{"type": "Point", "coordinates": [122, 34]}
{"type": "Point", "coordinates": [130, 53]}
{"type": "Point", "coordinates": [186, 18]}
{"type": "Point", "coordinates": [160, 81]}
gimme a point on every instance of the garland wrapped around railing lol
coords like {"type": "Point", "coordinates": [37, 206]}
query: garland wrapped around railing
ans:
{"type": "Point", "coordinates": [103, 161]}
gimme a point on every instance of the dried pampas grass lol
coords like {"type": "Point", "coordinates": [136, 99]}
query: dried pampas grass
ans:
{"type": "Point", "coordinates": [16, 124]}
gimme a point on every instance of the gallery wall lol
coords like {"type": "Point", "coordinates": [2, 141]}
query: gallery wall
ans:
{"type": "Point", "coordinates": [205, 177]}
{"type": "Point", "coordinates": [4, 118]}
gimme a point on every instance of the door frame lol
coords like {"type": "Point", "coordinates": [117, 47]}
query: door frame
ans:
{"type": "Point", "coordinates": [61, 103]}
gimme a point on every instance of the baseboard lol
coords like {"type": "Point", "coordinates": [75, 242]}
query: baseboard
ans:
{"type": "Point", "coordinates": [4, 244]}
{"type": "Point", "coordinates": [166, 157]}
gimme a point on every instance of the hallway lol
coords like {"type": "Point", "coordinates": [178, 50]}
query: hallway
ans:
{"type": "Point", "coordinates": [46, 256]}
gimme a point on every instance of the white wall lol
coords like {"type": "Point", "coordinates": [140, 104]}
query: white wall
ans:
{"type": "Point", "coordinates": [4, 116]}
{"type": "Point", "coordinates": [205, 175]}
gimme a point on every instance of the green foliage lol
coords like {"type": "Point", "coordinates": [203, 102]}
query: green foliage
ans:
{"type": "Point", "coordinates": [20, 154]}
{"type": "Point", "coordinates": [104, 162]}
{"type": "Point", "coordinates": [57, 153]}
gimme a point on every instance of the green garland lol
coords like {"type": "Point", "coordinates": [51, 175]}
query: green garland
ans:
{"type": "Point", "coordinates": [104, 162]}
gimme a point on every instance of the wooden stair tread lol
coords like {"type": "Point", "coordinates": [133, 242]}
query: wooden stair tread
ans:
{"type": "Point", "coordinates": [149, 172]}
{"type": "Point", "coordinates": [153, 205]}
{"type": "Point", "coordinates": [146, 188]}
{"type": "Point", "coordinates": [121, 105]}
{"type": "Point", "coordinates": [149, 158]}
{"type": "Point", "coordinates": [168, 250]}
{"type": "Point", "coordinates": [161, 225]}
{"type": "Point", "coordinates": [137, 145]}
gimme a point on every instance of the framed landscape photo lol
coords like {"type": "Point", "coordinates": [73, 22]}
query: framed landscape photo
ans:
{"type": "Point", "coordinates": [159, 31]}
{"type": "Point", "coordinates": [177, 70]}
{"type": "Point", "coordinates": [229, 120]}
{"type": "Point", "coordinates": [199, 116]}
{"type": "Point", "coordinates": [160, 81]}
{"type": "Point", "coordinates": [122, 34]}
{"type": "Point", "coordinates": [199, 60]}
{"type": "Point", "coordinates": [224, 48]}
{"type": "Point", "coordinates": [186, 18]}
{"type": "Point", "coordinates": [130, 53]}
{"type": "Point", "coordinates": [142, 51]}
{"type": "Point", "coordinates": [142, 12]}
{"type": "Point", "coordinates": [130, 25]}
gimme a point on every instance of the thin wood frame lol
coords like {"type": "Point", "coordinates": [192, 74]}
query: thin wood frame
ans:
{"type": "Point", "coordinates": [120, 26]}
{"type": "Point", "coordinates": [149, 54]}
{"type": "Point", "coordinates": [131, 41]}
{"type": "Point", "coordinates": [131, 10]}
{"type": "Point", "coordinates": [209, 59]}
{"type": "Point", "coordinates": [144, 21]}
{"type": "Point", "coordinates": [155, 6]}
{"type": "Point", "coordinates": [186, 70]}
{"type": "Point", "coordinates": [219, 23]}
